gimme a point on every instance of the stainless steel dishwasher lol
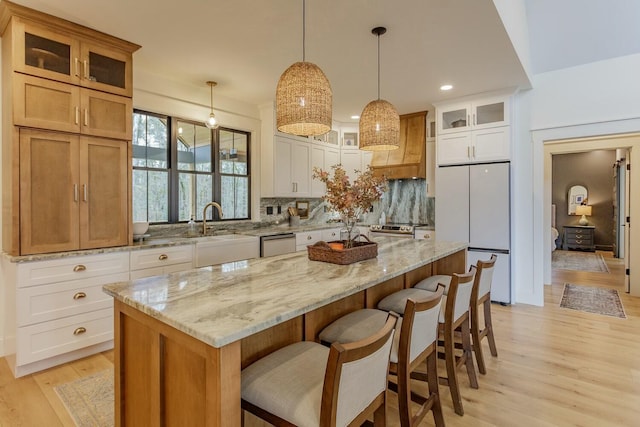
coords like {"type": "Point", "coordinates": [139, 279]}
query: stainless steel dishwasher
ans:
{"type": "Point", "coordinates": [277, 244]}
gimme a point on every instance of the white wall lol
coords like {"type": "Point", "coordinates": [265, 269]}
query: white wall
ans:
{"type": "Point", "coordinates": [592, 100]}
{"type": "Point", "coordinates": [513, 14]}
{"type": "Point", "coordinates": [162, 95]}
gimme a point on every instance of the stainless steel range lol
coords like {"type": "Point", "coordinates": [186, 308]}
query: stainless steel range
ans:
{"type": "Point", "coordinates": [392, 230]}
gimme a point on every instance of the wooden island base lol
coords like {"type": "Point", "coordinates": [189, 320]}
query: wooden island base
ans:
{"type": "Point", "coordinates": [166, 377]}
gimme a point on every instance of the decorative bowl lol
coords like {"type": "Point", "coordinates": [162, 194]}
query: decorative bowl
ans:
{"type": "Point", "coordinates": [139, 228]}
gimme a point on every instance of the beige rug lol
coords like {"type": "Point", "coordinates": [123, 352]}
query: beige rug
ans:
{"type": "Point", "coordinates": [591, 299]}
{"type": "Point", "coordinates": [580, 261]}
{"type": "Point", "coordinates": [89, 400]}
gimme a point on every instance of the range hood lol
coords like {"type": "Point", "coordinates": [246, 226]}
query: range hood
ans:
{"type": "Point", "coordinates": [409, 160]}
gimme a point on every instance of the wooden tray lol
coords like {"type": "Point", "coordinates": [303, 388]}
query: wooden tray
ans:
{"type": "Point", "coordinates": [321, 251]}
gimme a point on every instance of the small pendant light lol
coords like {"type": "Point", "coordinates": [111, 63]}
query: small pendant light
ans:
{"type": "Point", "coordinates": [303, 97]}
{"type": "Point", "coordinates": [379, 121]}
{"type": "Point", "coordinates": [212, 122]}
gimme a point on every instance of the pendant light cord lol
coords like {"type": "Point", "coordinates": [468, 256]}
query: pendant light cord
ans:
{"type": "Point", "coordinates": [211, 87]}
{"type": "Point", "coordinates": [303, 28]}
{"type": "Point", "coordinates": [378, 67]}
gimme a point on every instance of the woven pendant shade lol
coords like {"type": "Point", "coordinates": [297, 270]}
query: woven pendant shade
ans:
{"type": "Point", "coordinates": [303, 100]}
{"type": "Point", "coordinates": [379, 126]}
{"type": "Point", "coordinates": [379, 121]}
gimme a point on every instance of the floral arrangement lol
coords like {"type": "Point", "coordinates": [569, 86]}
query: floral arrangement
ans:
{"type": "Point", "coordinates": [350, 199]}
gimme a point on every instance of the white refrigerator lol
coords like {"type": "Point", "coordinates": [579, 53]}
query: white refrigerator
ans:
{"type": "Point", "coordinates": [473, 205]}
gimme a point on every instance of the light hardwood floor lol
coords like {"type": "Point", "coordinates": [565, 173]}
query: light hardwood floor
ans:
{"type": "Point", "coordinates": [555, 367]}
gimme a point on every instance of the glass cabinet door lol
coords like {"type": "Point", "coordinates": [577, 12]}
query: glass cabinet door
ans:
{"type": "Point", "coordinates": [454, 119]}
{"type": "Point", "coordinates": [46, 54]}
{"type": "Point", "coordinates": [106, 69]}
{"type": "Point", "coordinates": [491, 112]}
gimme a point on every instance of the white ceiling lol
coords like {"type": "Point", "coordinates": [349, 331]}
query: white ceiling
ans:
{"type": "Point", "coordinates": [246, 44]}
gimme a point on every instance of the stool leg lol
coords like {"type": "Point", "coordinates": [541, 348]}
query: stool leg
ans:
{"type": "Point", "coordinates": [404, 395]}
{"type": "Point", "coordinates": [432, 378]}
{"type": "Point", "coordinates": [450, 362]}
{"type": "Point", "coordinates": [488, 324]}
{"type": "Point", "coordinates": [468, 353]}
{"type": "Point", "coordinates": [380, 415]}
{"type": "Point", "coordinates": [477, 347]}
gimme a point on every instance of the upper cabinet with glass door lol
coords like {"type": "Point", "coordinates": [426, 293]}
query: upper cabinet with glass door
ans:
{"type": "Point", "coordinates": [81, 56]}
{"type": "Point", "coordinates": [488, 113]}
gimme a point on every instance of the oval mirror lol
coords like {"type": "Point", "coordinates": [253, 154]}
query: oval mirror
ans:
{"type": "Point", "coordinates": [577, 196]}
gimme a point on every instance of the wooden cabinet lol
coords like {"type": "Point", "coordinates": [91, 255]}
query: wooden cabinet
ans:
{"type": "Point", "coordinates": [65, 186]}
{"type": "Point", "coordinates": [409, 160]}
{"type": "Point", "coordinates": [46, 104]}
{"type": "Point", "coordinates": [60, 312]}
{"type": "Point", "coordinates": [73, 192]}
{"type": "Point", "coordinates": [474, 131]}
{"type": "Point", "coordinates": [579, 237]}
{"type": "Point", "coordinates": [71, 54]}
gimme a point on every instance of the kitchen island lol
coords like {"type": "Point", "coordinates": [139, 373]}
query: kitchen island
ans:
{"type": "Point", "coordinates": [182, 339]}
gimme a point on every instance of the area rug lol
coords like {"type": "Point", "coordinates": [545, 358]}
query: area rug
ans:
{"type": "Point", "coordinates": [89, 400]}
{"type": "Point", "coordinates": [592, 300]}
{"type": "Point", "coordinates": [581, 261]}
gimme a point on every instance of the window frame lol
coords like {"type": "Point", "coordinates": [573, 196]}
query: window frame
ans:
{"type": "Point", "coordinates": [216, 174]}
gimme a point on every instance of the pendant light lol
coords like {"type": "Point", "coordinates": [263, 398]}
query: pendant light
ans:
{"type": "Point", "coordinates": [379, 121]}
{"type": "Point", "coordinates": [212, 122]}
{"type": "Point", "coordinates": [303, 97]}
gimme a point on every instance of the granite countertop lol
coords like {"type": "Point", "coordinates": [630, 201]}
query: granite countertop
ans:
{"type": "Point", "coordinates": [167, 241]}
{"type": "Point", "coordinates": [222, 304]}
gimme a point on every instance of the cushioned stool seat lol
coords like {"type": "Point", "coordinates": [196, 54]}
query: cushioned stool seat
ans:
{"type": "Point", "coordinates": [431, 283]}
{"type": "Point", "coordinates": [397, 301]}
{"type": "Point", "coordinates": [268, 383]}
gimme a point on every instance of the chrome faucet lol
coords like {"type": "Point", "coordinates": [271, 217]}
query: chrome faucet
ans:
{"type": "Point", "coordinates": [204, 215]}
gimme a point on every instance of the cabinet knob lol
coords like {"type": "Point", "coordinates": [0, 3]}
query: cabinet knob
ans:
{"type": "Point", "coordinates": [163, 257]}
{"type": "Point", "coordinates": [79, 267]}
{"type": "Point", "coordinates": [309, 237]}
{"type": "Point", "coordinates": [79, 295]}
{"type": "Point", "coordinates": [79, 331]}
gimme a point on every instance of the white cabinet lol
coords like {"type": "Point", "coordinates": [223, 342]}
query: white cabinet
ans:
{"type": "Point", "coordinates": [474, 131]}
{"type": "Point", "coordinates": [355, 160]}
{"type": "Point", "coordinates": [478, 114]}
{"type": "Point", "coordinates": [323, 157]}
{"type": "Point", "coordinates": [425, 235]}
{"type": "Point", "coordinates": [331, 234]}
{"type": "Point", "coordinates": [60, 312]}
{"type": "Point", "coordinates": [291, 167]}
{"type": "Point", "coordinates": [306, 238]}
{"type": "Point", "coordinates": [158, 261]}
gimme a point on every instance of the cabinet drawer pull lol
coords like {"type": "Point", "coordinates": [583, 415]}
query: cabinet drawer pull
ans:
{"type": "Point", "coordinates": [75, 192]}
{"type": "Point", "coordinates": [86, 69]}
{"type": "Point", "coordinates": [309, 237]}
{"type": "Point", "coordinates": [86, 117]}
{"type": "Point", "coordinates": [79, 331]}
{"type": "Point", "coordinates": [77, 66]}
{"type": "Point", "coordinates": [163, 257]}
{"type": "Point", "coordinates": [79, 295]}
{"type": "Point", "coordinates": [79, 267]}
{"type": "Point", "coordinates": [578, 241]}
{"type": "Point", "coordinates": [77, 115]}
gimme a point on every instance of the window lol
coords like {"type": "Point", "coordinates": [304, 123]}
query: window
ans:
{"type": "Point", "coordinates": [175, 173]}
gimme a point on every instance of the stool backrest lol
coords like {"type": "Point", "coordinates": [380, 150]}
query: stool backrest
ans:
{"type": "Point", "coordinates": [419, 325]}
{"type": "Point", "coordinates": [484, 275]}
{"type": "Point", "coordinates": [356, 377]}
{"type": "Point", "coordinates": [459, 295]}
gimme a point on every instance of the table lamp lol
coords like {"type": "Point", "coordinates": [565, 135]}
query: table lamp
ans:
{"type": "Point", "coordinates": [585, 211]}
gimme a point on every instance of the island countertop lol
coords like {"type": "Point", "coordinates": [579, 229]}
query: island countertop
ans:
{"type": "Point", "coordinates": [225, 303]}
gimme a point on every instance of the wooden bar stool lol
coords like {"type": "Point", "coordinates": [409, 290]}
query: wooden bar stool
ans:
{"type": "Point", "coordinates": [307, 384]}
{"type": "Point", "coordinates": [415, 343]}
{"type": "Point", "coordinates": [456, 302]}
{"type": "Point", "coordinates": [480, 296]}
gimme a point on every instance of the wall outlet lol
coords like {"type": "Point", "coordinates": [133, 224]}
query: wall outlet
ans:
{"type": "Point", "coordinates": [279, 209]}
{"type": "Point", "coordinates": [269, 210]}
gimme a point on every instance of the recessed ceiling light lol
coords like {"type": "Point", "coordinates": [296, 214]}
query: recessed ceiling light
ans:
{"type": "Point", "coordinates": [355, 117]}
{"type": "Point", "coordinates": [446, 87]}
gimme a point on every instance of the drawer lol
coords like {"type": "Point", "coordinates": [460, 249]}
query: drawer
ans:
{"type": "Point", "coordinates": [159, 271]}
{"type": "Point", "coordinates": [159, 257]}
{"type": "Point", "coordinates": [331, 234]}
{"type": "Point", "coordinates": [71, 268]}
{"type": "Point", "coordinates": [48, 339]}
{"type": "Point", "coordinates": [49, 302]}
{"type": "Point", "coordinates": [308, 237]}
{"type": "Point", "coordinates": [425, 235]}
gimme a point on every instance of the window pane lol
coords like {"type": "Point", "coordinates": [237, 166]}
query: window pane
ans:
{"type": "Point", "coordinates": [195, 191]}
{"type": "Point", "coordinates": [235, 197]}
{"type": "Point", "coordinates": [150, 141]}
{"type": "Point", "coordinates": [233, 152]}
{"type": "Point", "coordinates": [205, 194]}
{"type": "Point", "coordinates": [150, 195]}
{"type": "Point", "coordinates": [194, 147]}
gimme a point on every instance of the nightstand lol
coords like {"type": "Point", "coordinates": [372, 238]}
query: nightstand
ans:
{"type": "Point", "coordinates": [579, 237]}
